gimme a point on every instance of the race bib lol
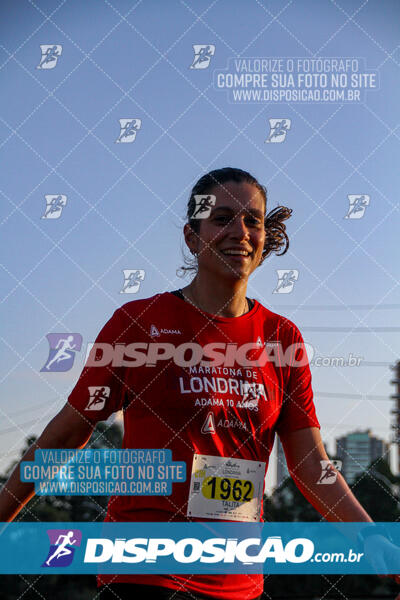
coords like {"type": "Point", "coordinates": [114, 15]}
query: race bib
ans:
{"type": "Point", "coordinates": [226, 488]}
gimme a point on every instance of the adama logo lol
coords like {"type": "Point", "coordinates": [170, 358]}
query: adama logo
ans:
{"type": "Point", "coordinates": [209, 424]}
{"type": "Point", "coordinates": [154, 332]}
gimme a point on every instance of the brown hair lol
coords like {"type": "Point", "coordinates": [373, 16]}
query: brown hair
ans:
{"type": "Point", "coordinates": [276, 239]}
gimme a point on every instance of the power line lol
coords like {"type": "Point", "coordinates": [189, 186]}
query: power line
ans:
{"type": "Point", "coordinates": [349, 426]}
{"type": "Point", "coordinates": [337, 306]}
{"type": "Point", "coordinates": [352, 329]}
{"type": "Point", "coordinates": [366, 363]}
{"type": "Point", "coordinates": [316, 393]}
{"type": "Point", "coordinates": [34, 407]}
{"type": "Point", "coordinates": [351, 396]}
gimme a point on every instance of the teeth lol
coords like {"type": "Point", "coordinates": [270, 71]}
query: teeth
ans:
{"type": "Point", "coordinates": [239, 252]}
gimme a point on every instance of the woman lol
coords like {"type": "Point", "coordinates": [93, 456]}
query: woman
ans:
{"type": "Point", "coordinates": [220, 412]}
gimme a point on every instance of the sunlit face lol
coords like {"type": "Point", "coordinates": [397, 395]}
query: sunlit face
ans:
{"type": "Point", "coordinates": [231, 240]}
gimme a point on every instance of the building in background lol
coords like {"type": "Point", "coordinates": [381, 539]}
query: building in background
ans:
{"type": "Point", "coordinates": [282, 472]}
{"type": "Point", "coordinates": [396, 410]}
{"type": "Point", "coordinates": [357, 450]}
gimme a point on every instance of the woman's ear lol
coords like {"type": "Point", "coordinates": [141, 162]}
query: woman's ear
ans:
{"type": "Point", "coordinates": [191, 238]}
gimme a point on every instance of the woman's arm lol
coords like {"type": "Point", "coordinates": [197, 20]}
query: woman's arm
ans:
{"type": "Point", "coordinates": [304, 450]}
{"type": "Point", "coordinates": [68, 429]}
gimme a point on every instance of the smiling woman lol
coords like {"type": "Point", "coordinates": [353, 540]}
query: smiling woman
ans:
{"type": "Point", "coordinates": [228, 245]}
{"type": "Point", "coordinates": [212, 418]}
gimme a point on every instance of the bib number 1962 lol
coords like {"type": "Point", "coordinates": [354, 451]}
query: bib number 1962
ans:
{"type": "Point", "coordinates": [226, 488]}
{"type": "Point", "coordinates": [232, 490]}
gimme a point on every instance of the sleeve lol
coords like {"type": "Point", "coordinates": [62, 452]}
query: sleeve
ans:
{"type": "Point", "coordinates": [101, 387]}
{"type": "Point", "coordinates": [298, 410]}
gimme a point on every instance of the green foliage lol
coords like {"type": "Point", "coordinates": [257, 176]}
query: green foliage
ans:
{"type": "Point", "coordinates": [376, 490]}
{"type": "Point", "coordinates": [287, 503]}
{"type": "Point", "coordinates": [62, 509]}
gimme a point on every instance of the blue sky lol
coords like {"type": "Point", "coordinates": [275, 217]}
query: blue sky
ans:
{"type": "Point", "coordinates": [125, 202]}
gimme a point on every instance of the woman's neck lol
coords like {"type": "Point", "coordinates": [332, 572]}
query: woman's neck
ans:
{"type": "Point", "coordinates": [216, 297]}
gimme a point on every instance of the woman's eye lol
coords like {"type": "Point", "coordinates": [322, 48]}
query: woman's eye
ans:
{"type": "Point", "coordinates": [254, 221]}
{"type": "Point", "coordinates": [226, 219]}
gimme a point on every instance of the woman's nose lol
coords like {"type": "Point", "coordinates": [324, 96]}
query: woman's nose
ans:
{"type": "Point", "coordinates": [239, 229]}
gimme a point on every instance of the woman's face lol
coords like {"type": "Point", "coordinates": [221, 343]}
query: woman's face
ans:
{"type": "Point", "coordinates": [231, 240]}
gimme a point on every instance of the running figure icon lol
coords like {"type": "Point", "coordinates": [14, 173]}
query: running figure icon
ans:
{"type": "Point", "coordinates": [132, 280]}
{"type": "Point", "coordinates": [98, 397]}
{"type": "Point", "coordinates": [329, 471]}
{"type": "Point", "coordinates": [55, 204]}
{"type": "Point", "coordinates": [203, 55]}
{"type": "Point", "coordinates": [286, 281]}
{"type": "Point", "coordinates": [357, 207]}
{"type": "Point", "coordinates": [62, 353]}
{"type": "Point", "coordinates": [278, 130]}
{"type": "Point", "coordinates": [204, 204]}
{"type": "Point", "coordinates": [50, 56]}
{"type": "Point", "coordinates": [128, 130]}
{"type": "Point", "coordinates": [62, 549]}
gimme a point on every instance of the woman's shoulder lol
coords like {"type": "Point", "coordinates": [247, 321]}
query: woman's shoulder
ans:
{"type": "Point", "coordinates": [278, 321]}
{"type": "Point", "coordinates": [144, 308]}
{"type": "Point", "coordinates": [140, 303]}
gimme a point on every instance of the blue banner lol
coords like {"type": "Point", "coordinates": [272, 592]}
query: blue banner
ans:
{"type": "Point", "coordinates": [201, 547]}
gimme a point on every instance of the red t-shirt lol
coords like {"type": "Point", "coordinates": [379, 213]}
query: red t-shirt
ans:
{"type": "Point", "coordinates": [169, 406]}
